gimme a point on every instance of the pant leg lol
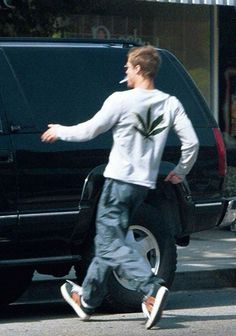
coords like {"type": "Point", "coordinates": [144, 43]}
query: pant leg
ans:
{"type": "Point", "coordinates": [117, 203]}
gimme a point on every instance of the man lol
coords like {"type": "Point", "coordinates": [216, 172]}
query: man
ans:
{"type": "Point", "coordinates": [140, 119]}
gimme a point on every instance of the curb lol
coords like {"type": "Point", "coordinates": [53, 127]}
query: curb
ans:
{"type": "Point", "coordinates": [49, 290]}
{"type": "Point", "coordinates": [208, 279]}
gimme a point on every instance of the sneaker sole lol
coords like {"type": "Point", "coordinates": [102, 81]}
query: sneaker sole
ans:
{"type": "Point", "coordinates": [145, 311]}
{"type": "Point", "coordinates": [158, 307]}
{"type": "Point", "coordinates": [74, 305]}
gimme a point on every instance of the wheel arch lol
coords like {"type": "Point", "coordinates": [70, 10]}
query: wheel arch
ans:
{"type": "Point", "coordinates": [174, 202]}
{"type": "Point", "coordinates": [92, 186]}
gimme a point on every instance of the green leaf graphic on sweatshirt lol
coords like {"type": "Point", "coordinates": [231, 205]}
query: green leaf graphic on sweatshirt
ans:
{"type": "Point", "coordinates": [149, 128]}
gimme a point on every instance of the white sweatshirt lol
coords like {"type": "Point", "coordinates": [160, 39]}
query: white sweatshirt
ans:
{"type": "Point", "coordinates": [138, 143]}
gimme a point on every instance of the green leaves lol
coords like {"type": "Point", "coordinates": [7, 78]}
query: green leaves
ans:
{"type": "Point", "coordinates": [149, 128]}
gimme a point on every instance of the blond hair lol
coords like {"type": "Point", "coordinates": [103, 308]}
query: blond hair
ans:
{"type": "Point", "coordinates": [147, 57]}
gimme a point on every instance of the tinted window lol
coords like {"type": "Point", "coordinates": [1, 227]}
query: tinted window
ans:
{"type": "Point", "coordinates": [66, 85]}
{"type": "Point", "coordinates": [1, 114]}
{"type": "Point", "coordinates": [173, 79]}
{"type": "Point", "coordinates": [13, 99]}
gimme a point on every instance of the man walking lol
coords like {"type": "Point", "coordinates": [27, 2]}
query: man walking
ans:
{"type": "Point", "coordinates": [140, 119]}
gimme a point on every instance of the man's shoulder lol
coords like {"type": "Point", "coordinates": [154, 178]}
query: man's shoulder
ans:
{"type": "Point", "coordinates": [160, 95]}
{"type": "Point", "coordinates": [117, 95]}
{"type": "Point", "coordinates": [169, 98]}
{"type": "Point", "coordinates": [163, 95]}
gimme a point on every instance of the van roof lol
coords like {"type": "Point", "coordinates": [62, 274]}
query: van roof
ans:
{"type": "Point", "coordinates": [72, 42]}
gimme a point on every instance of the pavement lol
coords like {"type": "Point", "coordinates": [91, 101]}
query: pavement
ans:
{"type": "Point", "coordinates": [209, 262]}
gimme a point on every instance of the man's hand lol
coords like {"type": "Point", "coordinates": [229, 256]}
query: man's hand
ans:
{"type": "Point", "coordinates": [173, 178]}
{"type": "Point", "coordinates": [50, 134]}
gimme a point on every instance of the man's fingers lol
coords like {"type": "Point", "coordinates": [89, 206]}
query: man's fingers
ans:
{"type": "Point", "coordinates": [169, 176]}
{"type": "Point", "coordinates": [173, 178]}
{"type": "Point", "coordinates": [49, 135]}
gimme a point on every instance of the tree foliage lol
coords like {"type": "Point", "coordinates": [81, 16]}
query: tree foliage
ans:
{"type": "Point", "coordinates": [33, 18]}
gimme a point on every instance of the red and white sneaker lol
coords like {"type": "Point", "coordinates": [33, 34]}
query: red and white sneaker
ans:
{"type": "Point", "coordinates": [153, 306]}
{"type": "Point", "coordinates": [72, 293]}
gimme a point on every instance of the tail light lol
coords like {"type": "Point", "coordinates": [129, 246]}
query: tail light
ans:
{"type": "Point", "coordinates": [222, 166]}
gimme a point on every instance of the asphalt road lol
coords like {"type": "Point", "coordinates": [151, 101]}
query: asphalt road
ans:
{"type": "Point", "coordinates": [208, 312]}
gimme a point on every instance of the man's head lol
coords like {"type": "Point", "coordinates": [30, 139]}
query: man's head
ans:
{"type": "Point", "coordinates": [142, 61]}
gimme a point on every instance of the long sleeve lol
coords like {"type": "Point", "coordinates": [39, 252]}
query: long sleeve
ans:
{"type": "Point", "coordinates": [134, 158]}
{"type": "Point", "coordinates": [189, 141]}
{"type": "Point", "coordinates": [101, 122]}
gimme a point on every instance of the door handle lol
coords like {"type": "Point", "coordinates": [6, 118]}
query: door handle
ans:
{"type": "Point", "coordinates": [6, 157]}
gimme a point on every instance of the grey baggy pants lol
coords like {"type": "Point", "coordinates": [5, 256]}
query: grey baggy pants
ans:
{"type": "Point", "coordinates": [117, 204]}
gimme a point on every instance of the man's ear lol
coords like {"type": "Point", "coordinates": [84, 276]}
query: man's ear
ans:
{"type": "Point", "coordinates": [137, 69]}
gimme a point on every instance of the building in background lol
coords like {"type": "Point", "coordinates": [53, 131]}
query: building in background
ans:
{"type": "Point", "coordinates": [201, 33]}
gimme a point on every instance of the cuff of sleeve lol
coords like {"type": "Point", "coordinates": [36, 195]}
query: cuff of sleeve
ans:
{"type": "Point", "coordinates": [179, 172]}
{"type": "Point", "coordinates": [59, 132]}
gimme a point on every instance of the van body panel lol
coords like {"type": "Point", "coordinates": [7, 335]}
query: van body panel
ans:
{"type": "Point", "coordinates": [66, 82]}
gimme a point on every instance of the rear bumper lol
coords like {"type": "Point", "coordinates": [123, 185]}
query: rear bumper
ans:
{"type": "Point", "coordinates": [230, 213]}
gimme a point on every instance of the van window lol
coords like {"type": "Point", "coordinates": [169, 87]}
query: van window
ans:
{"type": "Point", "coordinates": [1, 112]}
{"type": "Point", "coordinates": [1, 128]}
{"type": "Point", "coordinates": [173, 79]}
{"type": "Point", "coordinates": [66, 85]}
{"type": "Point", "coordinates": [13, 100]}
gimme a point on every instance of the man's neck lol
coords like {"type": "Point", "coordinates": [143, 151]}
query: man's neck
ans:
{"type": "Point", "coordinates": [144, 83]}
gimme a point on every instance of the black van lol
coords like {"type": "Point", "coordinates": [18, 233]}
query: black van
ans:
{"type": "Point", "coordinates": [49, 192]}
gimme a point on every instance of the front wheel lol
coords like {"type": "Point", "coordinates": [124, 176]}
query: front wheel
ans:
{"type": "Point", "coordinates": [158, 248]}
{"type": "Point", "coordinates": [13, 283]}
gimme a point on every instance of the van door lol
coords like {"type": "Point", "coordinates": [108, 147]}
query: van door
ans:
{"type": "Point", "coordinates": [8, 187]}
{"type": "Point", "coordinates": [46, 203]}
{"type": "Point", "coordinates": [56, 84]}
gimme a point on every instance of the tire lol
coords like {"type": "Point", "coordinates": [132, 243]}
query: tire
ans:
{"type": "Point", "coordinates": [13, 283]}
{"type": "Point", "coordinates": [157, 245]}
